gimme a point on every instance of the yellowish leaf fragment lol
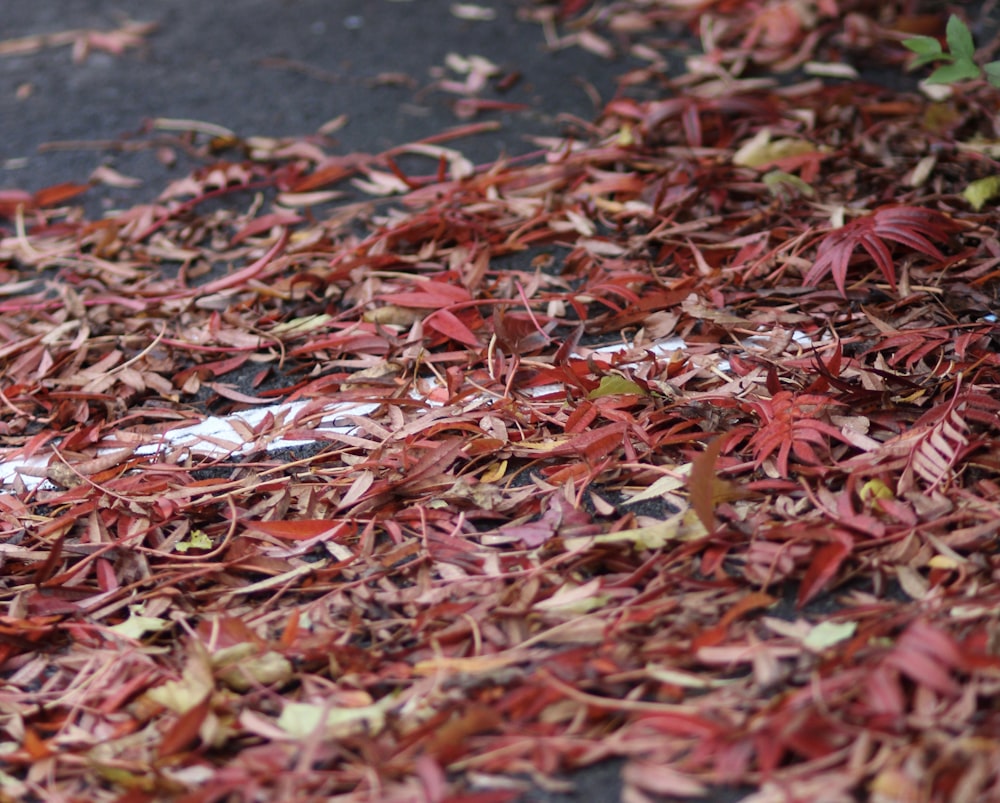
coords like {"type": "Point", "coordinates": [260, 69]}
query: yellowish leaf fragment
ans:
{"type": "Point", "coordinates": [473, 12]}
{"type": "Point", "coordinates": [943, 562]}
{"type": "Point", "coordinates": [761, 150]}
{"type": "Point", "coordinates": [681, 527]}
{"type": "Point", "coordinates": [666, 484]}
{"type": "Point", "coordinates": [873, 490]}
{"type": "Point", "coordinates": [546, 445]}
{"type": "Point", "coordinates": [978, 192]}
{"type": "Point", "coordinates": [476, 665]}
{"type": "Point", "coordinates": [782, 184]}
{"type": "Point", "coordinates": [302, 325]}
{"type": "Point", "coordinates": [686, 680]}
{"type": "Point", "coordinates": [270, 667]}
{"type": "Point", "coordinates": [137, 625]}
{"type": "Point", "coordinates": [921, 172]}
{"type": "Point", "coordinates": [392, 315]}
{"type": "Point", "coordinates": [195, 684]}
{"type": "Point", "coordinates": [300, 720]}
{"type": "Point", "coordinates": [827, 634]}
{"type": "Point", "coordinates": [495, 472]}
{"type": "Point", "coordinates": [197, 540]}
{"type": "Point", "coordinates": [574, 599]}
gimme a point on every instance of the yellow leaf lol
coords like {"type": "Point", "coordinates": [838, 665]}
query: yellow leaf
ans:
{"type": "Point", "coordinates": [301, 325]}
{"type": "Point", "coordinates": [494, 472]}
{"type": "Point", "coordinates": [626, 136]}
{"type": "Point", "coordinates": [762, 150]}
{"type": "Point", "coordinates": [978, 192]}
{"type": "Point", "coordinates": [196, 683]}
{"type": "Point", "coordinates": [476, 665]}
{"type": "Point", "coordinates": [681, 527]}
{"type": "Point", "coordinates": [873, 490]}
{"type": "Point", "coordinates": [137, 625]}
{"type": "Point", "coordinates": [783, 184]}
{"type": "Point", "coordinates": [826, 634]}
{"type": "Point", "coordinates": [271, 667]}
{"type": "Point", "coordinates": [301, 720]}
{"type": "Point", "coordinates": [943, 562]}
{"type": "Point", "coordinates": [392, 315]}
{"type": "Point", "coordinates": [546, 445]}
{"type": "Point", "coordinates": [665, 485]}
{"type": "Point", "coordinates": [573, 599]}
{"type": "Point", "coordinates": [687, 680]}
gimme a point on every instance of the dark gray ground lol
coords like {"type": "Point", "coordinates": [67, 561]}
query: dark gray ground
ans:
{"type": "Point", "coordinates": [273, 68]}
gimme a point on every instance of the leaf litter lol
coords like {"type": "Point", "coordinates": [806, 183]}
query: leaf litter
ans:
{"type": "Point", "coordinates": [524, 459]}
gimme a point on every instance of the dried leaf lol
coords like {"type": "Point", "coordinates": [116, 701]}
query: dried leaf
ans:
{"type": "Point", "coordinates": [914, 227]}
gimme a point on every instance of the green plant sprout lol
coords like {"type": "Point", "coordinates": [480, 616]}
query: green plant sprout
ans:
{"type": "Point", "coordinates": [960, 65]}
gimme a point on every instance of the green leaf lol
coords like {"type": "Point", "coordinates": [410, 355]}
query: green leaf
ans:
{"type": "Point", "coordinates": [926, 46]}
{"type": "Point", "coordinates": [993, 72]}
{"type": "Point", "coordinates": [613, 385]}
{"type": "Point", "coordinates": [960, 70]}
{"type": "Point", "coordinates": [920, 61]}
{"type": "Point", "coordinates": [197, 540]}
{"type": "Point", "coordinates": [785, 184]}
{"type": "Point", "coordinates": [980, 191]}
{"type": "Point", "coordinates": [960, 39]}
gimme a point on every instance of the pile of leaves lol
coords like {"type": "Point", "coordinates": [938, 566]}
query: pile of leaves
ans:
{"type": "Point", "coordinates": [684, 450]}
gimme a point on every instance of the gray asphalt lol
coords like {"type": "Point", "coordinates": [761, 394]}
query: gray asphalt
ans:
{"type": "Point", "coordinates": [273, 68]}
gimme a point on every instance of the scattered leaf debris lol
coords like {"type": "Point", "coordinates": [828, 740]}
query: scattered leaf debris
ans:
{"type": "Point", "coordinates": [764, 555]}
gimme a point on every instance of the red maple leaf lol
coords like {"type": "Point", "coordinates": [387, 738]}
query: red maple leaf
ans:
{"type": "Point", "coordinates": [790, 426]}
{"type": "Point", "coordinates": [911, 226]}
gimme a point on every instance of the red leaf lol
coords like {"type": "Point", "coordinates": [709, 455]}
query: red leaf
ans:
{"type": "Point", "coordinates": [35, 746]}
{"type": "Point", "coordinates": [884, 694]}
{"type": "Point", "coordinates": [597, 443]}
{"type": "Point", "coordinates": [58, 193]}
{"type": "Point", "coordinates": [569, 8]}
{"type": "Point", "coordinates": [297, 529]}
{"type": "Point", "coordinates": [10, 200]}
{"type": "Point", "coordinates": [661, 780]}
{"type": "Point", "coordinates": [753, 601]}
{"type": "Point", "coordinates": [185, 729]}
{"type": "Point", "coordinates": [265, 223]}
{"type": "Point", "coordinates": [923, 669]}
{"type": "Point", "coordinates": [448, 324]}
{"type": "Point", "coordinates": [245, 274]}
{"type": "Point", "coordinates": [324, 175]}
{"type": "Point", "coordinates": [824, 566]}
{"type": "Point", "coordinates": [432, 295]}
{"type": "Point", "coordinates": [701, 484]}
{"type": "Point", "coordinates": [911, 226]}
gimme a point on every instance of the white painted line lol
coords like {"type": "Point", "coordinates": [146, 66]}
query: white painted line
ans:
{"type": "Point", "coordinates": [229, 436]}
{"type": "Point", "coordinates": [214, 437]}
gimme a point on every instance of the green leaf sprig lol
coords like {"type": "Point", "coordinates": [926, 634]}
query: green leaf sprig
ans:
{"type": "Point", "coordinates": [959, 58]}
